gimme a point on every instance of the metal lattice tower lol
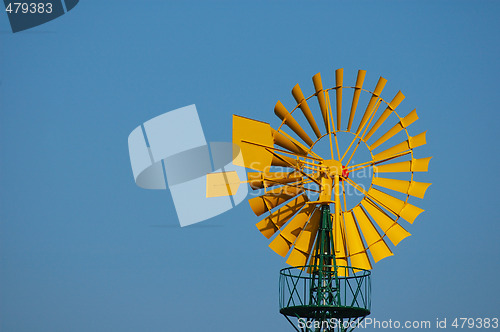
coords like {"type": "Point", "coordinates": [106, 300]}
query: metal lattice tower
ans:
{"type": "Point", "coordinates": [329, 296]}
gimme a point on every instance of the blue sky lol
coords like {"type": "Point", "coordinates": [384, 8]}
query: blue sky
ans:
{"type": "Point", "coordinates": [82, 248]}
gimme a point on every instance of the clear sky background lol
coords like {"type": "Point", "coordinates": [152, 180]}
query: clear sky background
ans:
{"type": "Point", "coordinates": [82, 248]}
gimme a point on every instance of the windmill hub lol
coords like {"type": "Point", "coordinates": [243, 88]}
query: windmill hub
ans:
{"type": "Point", "coordinates": [334, 167]}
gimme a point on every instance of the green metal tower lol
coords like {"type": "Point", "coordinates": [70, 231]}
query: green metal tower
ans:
{"type": "Point", "coordinates": [324, 296]}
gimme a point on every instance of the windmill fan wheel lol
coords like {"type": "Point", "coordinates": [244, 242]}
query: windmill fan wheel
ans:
{"type": "Point", "coordinates": [295, 181]}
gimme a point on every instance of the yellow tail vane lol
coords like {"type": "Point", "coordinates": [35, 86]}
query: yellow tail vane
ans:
{"type": "Point", "coordinates": [222, 184]}
{"type": "Point", "coordinates": [247, 131]}
{"type": "Point", "coordinates": [298, 183]}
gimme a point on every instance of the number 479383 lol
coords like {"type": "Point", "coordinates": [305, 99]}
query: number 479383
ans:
{"type": "Point", "coordinates": [472, 323]}
{"type": "Point", "coordinates": [32, 8]}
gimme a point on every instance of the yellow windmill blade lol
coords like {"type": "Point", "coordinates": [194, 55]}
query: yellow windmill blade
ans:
{"type": "Point", "coordinates": [304, 243]}
{"type": "Point", "coordinates": [355, 99]}
{"type": "Point", "coordinates": [322, 100]}
{"type": "Point", "coordinates": [273, 198]}
{"type": "Point", "coordinates": [370, 109]}
{"type": "Point", "coordinates": [374, 241]}
{"type": "Point", "coordinates": [269, 225]}
{"type": "Point", "coordinates": [390, 108]}
{"type": "Point", "coordinates": [339, 78]}
{"type": "Point", "coordinates": [286, 143]}
{"type": "Point", "coordinates": [402, 124]}
{"type": "Point", "coordinates": [357, 250]}
{"type": "Point", "coordinates": [412, 188]}
{"type": "Point", "coordinates": [396, 206]}
{"type": "Point", "coordinates": [302, 103]}
{"type": "Point", "coordinates": [283, 161]}
{"type": "Point", "coordinates": [394, 231]}
{"type": "Point", "coordinates": [290, 121]}
{"type": "Point", "coordinates": [414, 165]}
{"type": "Point", "coordinates": [286, 238]}
{"type": "Point", "coordinates": [409, 144]}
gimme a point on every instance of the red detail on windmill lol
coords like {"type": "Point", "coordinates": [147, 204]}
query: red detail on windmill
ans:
{"type": "Point", "coordinates": [345, 172]}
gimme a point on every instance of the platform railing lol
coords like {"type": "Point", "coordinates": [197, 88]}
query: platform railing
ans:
{"type": "Point", "coordinates": [333, 292]}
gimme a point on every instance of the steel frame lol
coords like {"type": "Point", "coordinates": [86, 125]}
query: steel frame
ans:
{"type": "Point", "coordinates": [324, 296]}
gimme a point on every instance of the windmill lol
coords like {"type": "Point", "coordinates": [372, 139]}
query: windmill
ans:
{"type": "Point", "coordinates": [304, 193]}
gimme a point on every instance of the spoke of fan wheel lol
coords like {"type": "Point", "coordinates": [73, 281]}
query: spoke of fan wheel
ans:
{"type": "Point", "coordinates": [317, 174]}
{"type": "Point", "coordinates": [364, 192]}
{"type": "Point", "coordinates": [282, 151]}
{"type": "Point", "coordinates": [329, 120]}
{"type": "Point", "coordinates": [268, 148]}
{"type": "Point", "coordinates": [311, 164]}
{"type": "Point", "coordinates": [372, 115]}
{"type": "Point", "coordinates": [357, 167]}
{"type": "Point", "coordinates": [307, 149]}
{"type": "Point", "coordinates": [277, 182]}
{"type": "Point", "coordinates": [343, 195]}
{"type": "Point", "coordinates": [337, 212]}
{"type": "Point", "coordinates": [375, 107]}
{"type": "Point", "coordinates": [343, 226]}
{"type": "Point", "coordinates": [296, 184]}
{"type": "Point", "coordinates": [370, 119]}
{"type": "Point", "coordinates": [309, 182]}
{"type": "Point", "coordinates": [311, 168]}
{"type": "Point", "coordinates": [345, 202]}
{"type": "Point", "coordinates": [314, 190]}
{"type": "Point", "coordinates": [371, 162]}
{"type": "Point", "coordinates": [292, 166]}
{"type": "Point", "coordinates": [306, 182]}
{"type": "Point", "coordinates": [330, 113]}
